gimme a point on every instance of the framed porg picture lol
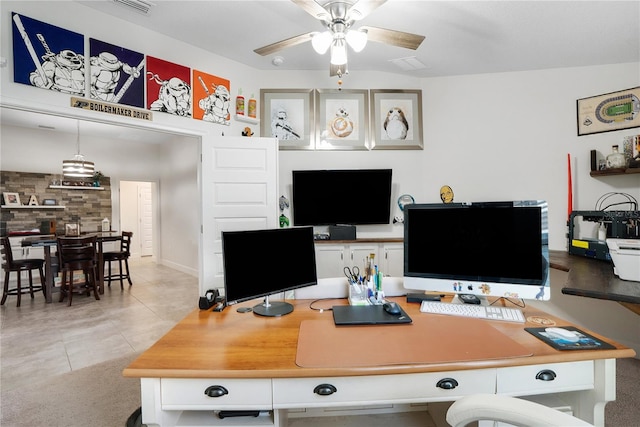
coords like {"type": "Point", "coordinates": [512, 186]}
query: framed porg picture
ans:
{"type": "Point", "coordinates": [396, 122]}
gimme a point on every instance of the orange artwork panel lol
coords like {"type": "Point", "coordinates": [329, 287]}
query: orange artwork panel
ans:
{"type": "Point", "coordinates": [211, 98]}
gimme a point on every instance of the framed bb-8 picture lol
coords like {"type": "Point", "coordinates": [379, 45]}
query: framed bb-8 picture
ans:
{"type": "Point", "coordinates": [342, 119]}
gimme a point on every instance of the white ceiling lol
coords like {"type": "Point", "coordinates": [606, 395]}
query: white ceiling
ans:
{"type": "Point", "coordinates": [462, 37]}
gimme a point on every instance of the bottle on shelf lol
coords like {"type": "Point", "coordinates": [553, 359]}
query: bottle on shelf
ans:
{"type": "Point", "coordinates": [253, 107]}
{"type": "Point", "coordinates": [616, 160]}
{"type": "Point", "coordinates": [240, 104]}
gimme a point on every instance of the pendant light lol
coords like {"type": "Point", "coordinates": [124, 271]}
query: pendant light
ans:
{"type": "Point", "coordinates": [78, 167]}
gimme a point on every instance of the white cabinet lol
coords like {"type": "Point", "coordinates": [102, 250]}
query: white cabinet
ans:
{"type": "Point", "coordinates": [331, 258]}
{"type": "Point", "coordinates": [393, 259]}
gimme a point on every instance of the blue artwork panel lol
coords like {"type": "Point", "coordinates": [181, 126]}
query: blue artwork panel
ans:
{"type": "Point", "coordinates": [47, 56]}
{"type": "Point", "coordinates": [117, 74]}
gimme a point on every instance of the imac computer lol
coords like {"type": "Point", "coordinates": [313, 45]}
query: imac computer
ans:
{"type": "Point", "coordinates": [497, 249]}
{"type": "Point", "coordinates": [260, 263]}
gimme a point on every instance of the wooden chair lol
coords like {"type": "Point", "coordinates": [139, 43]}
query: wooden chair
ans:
{"type": "Point", "coordinates": [78, 254]}
{"type": "Point", "coordinates": [29, 264]}
{"type": "Point", "coordinates": [121, 256]}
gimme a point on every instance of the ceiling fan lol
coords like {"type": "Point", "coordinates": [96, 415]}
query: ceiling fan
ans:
{"type": "Point", "coordinates": [338, 16]}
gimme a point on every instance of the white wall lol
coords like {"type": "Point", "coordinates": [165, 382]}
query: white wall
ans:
{"type": "Point", "coordinates": [493, 136]}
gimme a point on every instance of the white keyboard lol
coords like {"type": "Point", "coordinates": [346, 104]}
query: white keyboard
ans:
{"type": "Point", "coordinates": [473, 310]}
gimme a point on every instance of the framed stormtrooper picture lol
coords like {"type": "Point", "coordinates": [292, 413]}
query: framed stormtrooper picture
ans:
{"type": "Point", "coordinates": [342, 119]}
{"type": "Point", "coordinates": [397, 119]}
{"type": "Point", "coordinates": [288, 114]}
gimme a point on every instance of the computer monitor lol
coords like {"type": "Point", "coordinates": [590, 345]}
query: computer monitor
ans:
{"type": "Point", "coordinates": [260, 263]}
{"type": "Point", "coordinates": [486, 249]}
{"type": "Point", "coordinates": [332, 197]}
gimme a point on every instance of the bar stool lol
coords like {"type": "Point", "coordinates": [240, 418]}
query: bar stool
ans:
{"type": "Point", "coordinates": [78, 253]}
{"type": "Point", "coordinates": [120, 256]}
{"type": "Point", "coordinates": [20, 265]}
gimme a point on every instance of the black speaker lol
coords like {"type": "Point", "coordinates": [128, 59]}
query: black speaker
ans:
{"type": "Point", "coordinates": [208, 300]}
{"type": "Point", "coordinates": [342, 232]}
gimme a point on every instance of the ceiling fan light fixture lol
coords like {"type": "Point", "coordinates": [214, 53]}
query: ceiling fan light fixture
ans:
{"type": "Point", "coordinates": [321, 41]}
{"type": "Point", "coordinates": [339, 52]}
{"type": "Point", "coordinates": [357, 39]}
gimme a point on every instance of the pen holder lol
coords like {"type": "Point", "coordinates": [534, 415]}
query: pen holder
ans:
{"type": "Point", "coordinates": [358, 294]}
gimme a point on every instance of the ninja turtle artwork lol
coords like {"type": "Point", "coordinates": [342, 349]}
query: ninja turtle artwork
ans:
{"type": "Point", "coordinates": [168, 89]}
{"type": "Point", "coordinates": [47, 56]}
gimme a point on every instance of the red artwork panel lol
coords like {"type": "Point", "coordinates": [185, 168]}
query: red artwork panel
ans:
{"type": "Point", "coordinates": [168, 87]}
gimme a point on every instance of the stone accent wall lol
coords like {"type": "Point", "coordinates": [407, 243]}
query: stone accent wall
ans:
{"type": "Point", "coordinates": [85, 206]}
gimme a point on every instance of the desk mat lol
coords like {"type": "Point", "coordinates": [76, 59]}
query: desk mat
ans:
{"type": "Point", "coordinates": [434, 339]}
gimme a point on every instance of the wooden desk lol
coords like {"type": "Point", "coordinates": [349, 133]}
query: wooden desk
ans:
{"type": "Point", "coordinates": [254, 359]}
{"type": "Point", "coordinates": [594, 278]}
{"type": "Point", "coordinates": [48, 241]}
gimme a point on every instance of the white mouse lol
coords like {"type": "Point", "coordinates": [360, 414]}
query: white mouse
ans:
{"type": "Point", "coordinates": [563, 334]}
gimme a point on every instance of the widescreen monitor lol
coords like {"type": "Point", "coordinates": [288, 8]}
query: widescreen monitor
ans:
{"type": "Point", "coordinates": [495, 249]}
{"type": "Point", "coordinates": [341, 196]}
{"type": "Point", "coordinates": [260, 263]}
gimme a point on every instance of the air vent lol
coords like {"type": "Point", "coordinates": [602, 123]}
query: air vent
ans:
{"type": "Point", "coordinates": [409, 63]}
{"type": "Point", "coordinates": [141, 6]}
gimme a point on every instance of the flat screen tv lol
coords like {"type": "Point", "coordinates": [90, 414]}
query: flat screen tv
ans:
{"type": "Point", "coordinates": [341, 196]}
{"type": "Point", "coordinates": [495, 249]}
{"type": "Point", "coordinates": [260, 263]}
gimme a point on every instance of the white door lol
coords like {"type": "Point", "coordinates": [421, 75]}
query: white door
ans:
{"type": "Point", "coordinates": [239, 188]}
{"type": "Point", "coordinates": [136, 215]}
{"type": "Point", "coordinates": [145, 220]}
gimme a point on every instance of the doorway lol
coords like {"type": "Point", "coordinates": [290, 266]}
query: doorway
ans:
{"type": "Point", "coordinates": [137, 215]}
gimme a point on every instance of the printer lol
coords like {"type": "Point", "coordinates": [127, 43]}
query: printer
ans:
{"type": "Point", "coordinates": [583, 225]}
{"type": "Point", "coordinates": [625, 254]}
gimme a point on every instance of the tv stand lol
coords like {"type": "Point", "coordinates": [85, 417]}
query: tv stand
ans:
{"type": "Point", "coordinates": [272, 309]}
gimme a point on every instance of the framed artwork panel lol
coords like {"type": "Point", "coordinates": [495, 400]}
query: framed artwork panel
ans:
{"type": "Point", "coordinates": [168, 87]}
{"type": "Point", "coordinates": [609, 112]}
{"type": "Point", "coordinates": [47, 56]}
{"type": "Point", "coordinates": [342, 119]}
{"type": "Point", "coordinates": [117, 74]}
{"type": "Point", "coordinates": [396, 122]}
{"type": "Point", "coordinates": [11, 199]}
{"type": "Point", "coordinates": [288, 115]}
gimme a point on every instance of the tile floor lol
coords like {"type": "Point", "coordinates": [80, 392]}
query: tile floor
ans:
{"type": "Point", "coordinates": [40, 340]}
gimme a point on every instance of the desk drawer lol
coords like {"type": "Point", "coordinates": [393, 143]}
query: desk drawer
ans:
{"type": "Point", "coordinates": [378, 389]}
{"type": "Point", "coordinates": [547, 378]}
{"type": "Point", "coordinates": [180, 394]}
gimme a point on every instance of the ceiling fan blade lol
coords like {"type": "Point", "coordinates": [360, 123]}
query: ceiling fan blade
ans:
{"type": "Point", "coordinates": [283, 44]}
{"type": "Point", "coordinates": [393, 37]}
{"type": "Point", "coordinates": [313, 9]}
{"type": "Point", "coordinates": [363, 7]}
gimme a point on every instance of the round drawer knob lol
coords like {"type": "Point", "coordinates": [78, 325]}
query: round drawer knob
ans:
{"type": "Point", "coordinates": [546, 375]}
{"type": "Point", "coordinates": [447, 384]}
{"type": "Point", "coordinates": [216, 391]}
{"type": "Point", "coordinates": [325, 389]}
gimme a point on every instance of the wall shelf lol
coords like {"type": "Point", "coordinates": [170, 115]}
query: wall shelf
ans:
{"type": "Point", "coordinates": [32, 207]}
{"type": "Point", "coordinates": [611, 172]}
{"type": "Point", "coordinates": [75, 187]}
{"type": "Point", "coordinates": [246, 119]}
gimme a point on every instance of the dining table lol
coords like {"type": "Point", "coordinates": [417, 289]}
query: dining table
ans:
{"type": "Point", "coordinates": [50, 240]}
